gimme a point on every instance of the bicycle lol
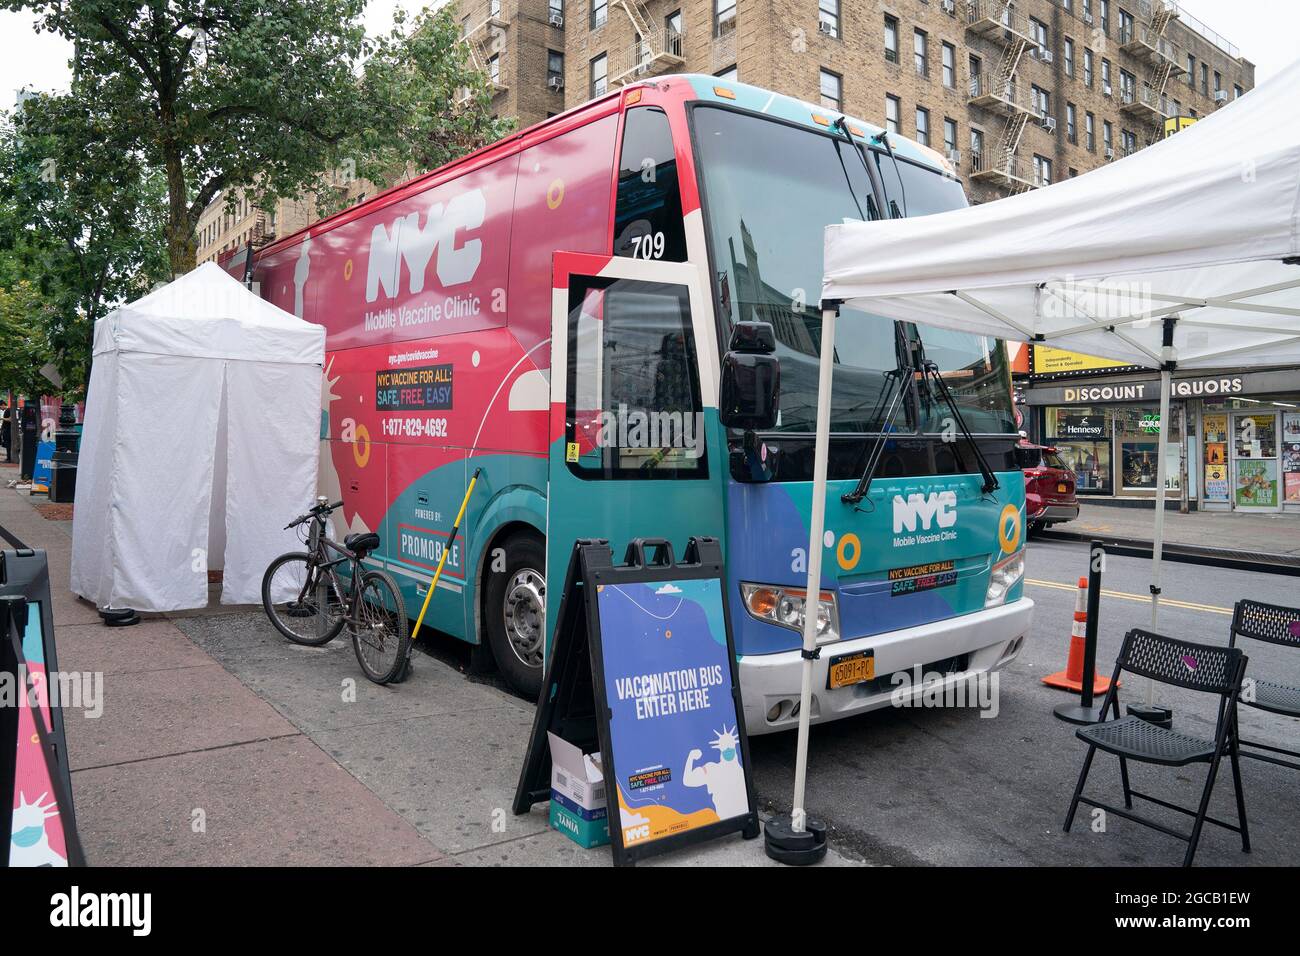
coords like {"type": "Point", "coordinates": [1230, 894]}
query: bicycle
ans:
{"type": "Point", "coordinates": [310, 601]}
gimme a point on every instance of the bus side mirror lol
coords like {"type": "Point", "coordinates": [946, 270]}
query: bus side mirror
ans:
{"type": "Point", "coordinates": [750, 395]}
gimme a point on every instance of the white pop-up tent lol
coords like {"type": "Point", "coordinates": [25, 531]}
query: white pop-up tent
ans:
{"type": "Point", "coordinates": [1184, 255]}
{"type": "Point", "coordinates": [201, 442]}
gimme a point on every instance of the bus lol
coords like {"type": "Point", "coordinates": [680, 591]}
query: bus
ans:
{"type": "Point", "coordinates": [561, 310]}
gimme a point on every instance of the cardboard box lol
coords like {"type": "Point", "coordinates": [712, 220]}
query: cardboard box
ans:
{"type": "Point", "coordinates": [577, 794]}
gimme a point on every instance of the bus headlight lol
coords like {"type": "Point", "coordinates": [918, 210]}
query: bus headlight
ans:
{"type": "Point", "coordinates": [785, 607]}
{"type": "Point", "coordinates": [1005, 574]}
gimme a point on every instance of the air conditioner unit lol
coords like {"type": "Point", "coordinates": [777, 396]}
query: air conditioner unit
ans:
{"type": "Point", "coordinates": [1220, 96]}
{"type": "Point", "coordinates": [557, 19]}
{"type": "Point", "coordinates": [954, 156]}
{"type": "Point", "coordinates": [1049, 123]}
{"type": "Point", "coordinates": [1087, 18]}
{"type": "Point", "coordinates": [1110, 152]}
{"type": "Point", "coordinates": [1045, 55]}
{"type": "Point", "coordinates": [825, 29]}
{"type": "Point", "coordinates": [1107, 91]}
{"type": "Point", "coordinates": [556, 83]}
{"type": "Point", "coordinates": [949, 7]}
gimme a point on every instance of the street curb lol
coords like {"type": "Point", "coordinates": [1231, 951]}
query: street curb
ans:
{"type": "Point", "coordinates": [1262, 561]}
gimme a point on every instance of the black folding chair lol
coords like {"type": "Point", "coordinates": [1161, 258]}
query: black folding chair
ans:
{"type": "Point", "coordinates": [1276, 625]}
{"type": "Point", "coordinates": [1197, 667]}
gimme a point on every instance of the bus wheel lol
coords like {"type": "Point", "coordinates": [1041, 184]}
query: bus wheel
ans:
{"type": "Point", "coordinates": [515, 613]}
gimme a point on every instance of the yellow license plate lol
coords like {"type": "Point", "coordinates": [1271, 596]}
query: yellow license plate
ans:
{"type": "Point", "coordinates": [851, 669]}
{"type": "Point", "coordinates": [1062, 487]}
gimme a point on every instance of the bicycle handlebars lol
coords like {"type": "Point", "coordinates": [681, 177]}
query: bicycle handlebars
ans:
{"type": "Point", "coordinates": [319, 511]}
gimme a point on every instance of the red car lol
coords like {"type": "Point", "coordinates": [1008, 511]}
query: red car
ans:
{"type": "Point", "coordinates": [1049, 486]}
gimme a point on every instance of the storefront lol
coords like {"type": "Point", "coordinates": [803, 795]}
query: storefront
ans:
{"type": "Point", "coordinates": [1234, 438]}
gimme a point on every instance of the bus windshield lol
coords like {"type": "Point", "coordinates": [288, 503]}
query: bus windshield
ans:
{"type": "Point", "coordinates": [770, 190]}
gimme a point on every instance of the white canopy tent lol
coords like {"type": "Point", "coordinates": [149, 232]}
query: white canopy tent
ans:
{"type": "Point", "coordinates": [201, 441]}
{"type": "Point", "coordinates": [1184, 255]}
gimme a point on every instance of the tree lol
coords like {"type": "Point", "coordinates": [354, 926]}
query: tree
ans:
{"type": "Point", "coordinates": [427, 105]}
{"type": "Point", "coordinates": [80, 242]}
{"type": "Point", "coordinates": [233, 95]}
{"type": "Point", "coordinates": [22, 330]}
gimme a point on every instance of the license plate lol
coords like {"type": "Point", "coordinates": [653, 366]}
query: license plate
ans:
{"type": "Point", "coordinates": [851, 669]}
{"type": "Point", "coordinates": [1062, 487]}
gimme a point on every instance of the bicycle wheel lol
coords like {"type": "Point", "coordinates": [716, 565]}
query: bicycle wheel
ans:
{"type": "Point", "coordinates": [379, 633]}
{"type": "Point", "coordinates": [300, 601]}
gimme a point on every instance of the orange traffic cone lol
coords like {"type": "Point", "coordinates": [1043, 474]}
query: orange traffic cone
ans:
{"type": "Point", "coordinates": [1072, 677]}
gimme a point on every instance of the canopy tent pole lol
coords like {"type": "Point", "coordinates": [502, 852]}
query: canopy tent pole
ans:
{"type": "Point", "coordinates": [1158, 543]}
{"type": "Point", "coordinates": [816, 531]}
{"type": "Point", "coordinates": [800, 840]}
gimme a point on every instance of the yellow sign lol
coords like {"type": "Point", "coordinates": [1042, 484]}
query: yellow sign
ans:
{"type": "Point", "coordinates": [1174, 124]}
{"type": "Point", "coordinates": [571, 451]}
{"type": "Point", "coordinates": [1048, 360]}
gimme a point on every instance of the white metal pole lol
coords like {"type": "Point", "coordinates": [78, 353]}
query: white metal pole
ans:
{"type": "Point", "coordinates": [1158, 544]}
{"type": "Point", "coordinates": [816, 530]}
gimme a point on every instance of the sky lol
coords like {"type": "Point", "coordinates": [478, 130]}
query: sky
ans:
{"type": "Point", "coordinates": [1264, 31]}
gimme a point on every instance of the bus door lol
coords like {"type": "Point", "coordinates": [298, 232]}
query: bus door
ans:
{"type": "Point", "coordinates": [635, 446]}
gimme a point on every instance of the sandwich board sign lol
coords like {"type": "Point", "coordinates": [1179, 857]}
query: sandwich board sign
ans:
{"type": "Point", "coordinates": [642, 668]}
{"type": "Point", "coordinates": [33, 754]}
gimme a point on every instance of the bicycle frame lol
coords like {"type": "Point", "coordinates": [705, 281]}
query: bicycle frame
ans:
{"type": "Point", "coordinates": [319, 546]}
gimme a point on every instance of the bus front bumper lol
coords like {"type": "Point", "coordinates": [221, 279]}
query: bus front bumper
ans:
{"type": "Point", "coordinates": [989, 640]}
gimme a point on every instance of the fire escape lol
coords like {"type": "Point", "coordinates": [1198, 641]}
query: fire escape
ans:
{"type": "Point", "coordinates": [484, 42]}
{"type": "Point", "coordinates": [999, 93]}
{"type": "Point", "coordinates": [1145, 39]}
{"type": "Point", "coordinates": [654, 49]}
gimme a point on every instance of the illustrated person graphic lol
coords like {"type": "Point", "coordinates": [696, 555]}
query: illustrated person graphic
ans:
{"type": "Point", "coordinates": [29, 843]}
{"type": "Point", "coordinates": [724, 778]}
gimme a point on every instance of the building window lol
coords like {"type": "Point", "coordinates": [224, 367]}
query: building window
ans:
{"type": "Point", "coordinates": [949, 136]}
{"type": "Point", "coordinates": [599, 76]}
{"type": "Point", "coordinates": [556, 10]}
{"type": "Point", "coordinates": [673, 32]}
{"type": "Point", "coordinates": [1087, 68]}
{"type": "Point", "coordinates": [920, 47]}
{"type": "Point", "coordinates": [1073, 172]}
{"type": "Point", "coordinates": [1038, 30]}
{"type": "Point", "coordinates": [976, 148]}
{"type": "Point", "coordinates": [1236, 91]}
{"type": "Point", "coordinates": [1042, 100]}
{"type": "Point", "coordinates": [554, 69]}
{"type": "Point", "coordinates": [1205, 79]}
{"type": "Point", "coordinates": [494, 8]}
{"type": "Point", "coordinates": [724, 17]}
{"type": "Point", "coordinates": [730, 73]}
{"type": "Point", "coordinates": [1218, 82]}
{"type": "Point", "coordinates": [1105, 76]}
{"type": "Point", "coordinates": [599, 13]}
{"type": "Point", "coordinates": [1108, 136]}
{"type": "Point", "coordinates": [949, 66]}
{"type": "Point", "coordinates": [828, 17]}
{"type": "Point", "coordinates": [494, 69]}
{"type": "Point", "coordinates": [893, 112]}
{"type": "Point", "coordinates": [1105, 16]}
{"type": "Point", "coordinates": [1128, 139]}
{"type": "Point", "coordinates": [891, 39]}
{"type": "Point", "coordinates": [831, 90]}
{"type": "Point", "coordinates": [1090, 132]}
{"type": "Point", "coordinates": [1042, 171]}
{"type": "Point", "coordinates": [1125, 26]}
{"type": "Point", "coordinates": [976, 66]}
{"type": "Point", "coordinates": [1128, 86]}
{"type": "Point", "coordinates": [1191, 71]}
{"type": "Point", "coordinates": [1071, 123]}
{"type": "Point", "coordinates": [1069, 57]}
{"type": "Point", "coordinates": [923, 126]}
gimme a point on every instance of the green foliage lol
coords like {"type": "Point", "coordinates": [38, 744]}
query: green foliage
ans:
{"type": "Point", "coordinates": [23, 319]}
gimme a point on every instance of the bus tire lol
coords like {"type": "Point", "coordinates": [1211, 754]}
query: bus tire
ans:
{"type": "Point", "coordinates": [514, 612]}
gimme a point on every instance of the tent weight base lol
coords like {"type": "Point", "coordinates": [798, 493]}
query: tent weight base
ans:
{"type": "Point", "coordinates": [1153, 714]}
{"type": "Point", "coordinates": [1078, 714]}
{"type": "Point", "coordinates": [784, 845]}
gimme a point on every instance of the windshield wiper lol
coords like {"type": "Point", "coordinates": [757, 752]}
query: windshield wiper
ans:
{"type": "Point", "coordinates": [896, 389]}
{"type": "Point", "coordinates": [883, 139]}
{"type": "Point", "coordinates": [930, 370]}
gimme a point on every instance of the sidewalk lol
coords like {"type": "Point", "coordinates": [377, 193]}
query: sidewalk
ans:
{"type": "Point", "coordinates": [1260, 535]}
{"type": "Point", "coordinates": [220, 743]}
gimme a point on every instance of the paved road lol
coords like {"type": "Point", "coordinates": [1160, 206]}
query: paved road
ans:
{"type": "Point", "coordinates": [948, 787]}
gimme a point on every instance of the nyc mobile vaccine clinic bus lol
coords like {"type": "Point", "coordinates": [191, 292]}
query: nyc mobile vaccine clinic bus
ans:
{"type": "Point", "coordinates": [564, 309]}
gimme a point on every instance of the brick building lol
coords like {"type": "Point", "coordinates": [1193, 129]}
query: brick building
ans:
{"type": "Point", "coordinates": [1018, 94]}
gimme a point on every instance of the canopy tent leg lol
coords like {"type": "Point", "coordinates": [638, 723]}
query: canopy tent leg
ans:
{"type": "Point", "coordinates": [1158, 542]}
{"type": "Point", "coordinates": [800, 840]}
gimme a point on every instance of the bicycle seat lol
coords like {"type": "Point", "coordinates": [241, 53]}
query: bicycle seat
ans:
{"type": "Point", "coordinates": [362, 543]}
